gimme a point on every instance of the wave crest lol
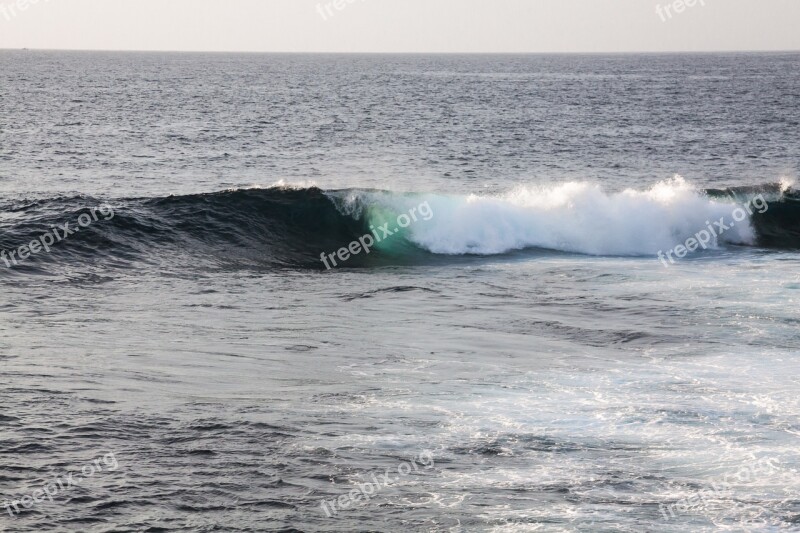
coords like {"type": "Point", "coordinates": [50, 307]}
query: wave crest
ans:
{"type": "Point", "coordinates": [577, 217]}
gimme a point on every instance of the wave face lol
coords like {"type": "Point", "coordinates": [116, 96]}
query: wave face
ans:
{"type": "Point", "coordinates": [291, 227]}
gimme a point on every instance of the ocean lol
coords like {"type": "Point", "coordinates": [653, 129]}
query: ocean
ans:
{"type": "Point", "coordinates": [507, 293]}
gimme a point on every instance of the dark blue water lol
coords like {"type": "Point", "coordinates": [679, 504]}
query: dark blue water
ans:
{"type": "Point", "coordinates": [517, 358]}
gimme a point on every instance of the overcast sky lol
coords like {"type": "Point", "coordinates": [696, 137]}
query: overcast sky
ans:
{"type": "Point", "coordinates": [401, 25]}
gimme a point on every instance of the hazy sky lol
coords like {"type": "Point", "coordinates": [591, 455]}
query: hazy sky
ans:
{"type": "Point", "coordinates": [401, 25]}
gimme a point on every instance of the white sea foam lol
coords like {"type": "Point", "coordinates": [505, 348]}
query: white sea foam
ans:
{"type": "Point", "coordinates": [572, 217]}
{"type": "Point", "coordinates": [294, 185]}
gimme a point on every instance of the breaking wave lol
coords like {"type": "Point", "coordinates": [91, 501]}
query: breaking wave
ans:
{"type": "Point", "coordinates": [290, 227]}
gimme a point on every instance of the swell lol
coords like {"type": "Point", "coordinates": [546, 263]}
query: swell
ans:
{"type": "Point", "coordinates": [275, 227]}
{"type": "Point", "coordinates": [284, 227]}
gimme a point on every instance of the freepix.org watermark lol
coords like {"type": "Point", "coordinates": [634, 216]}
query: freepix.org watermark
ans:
{"type": "Point", "coordinates": [10, 10]}
{"type": "Point", "coordinates": [55, 235]}
{"type": "Point", "coordinates": [705, 238]}
{"type": "Point", "coordinates": [61, 484]}
{"type": "Point", "coordinates": [366, 242]}
{"type": "Point", "coordinates": [699, 500]}
{"type": "Point", "coordinates": [678, 6]}
{"type": "Point", "coordinates": [328, 9]}
{"type": "Point", "coordinates": [366, 491]}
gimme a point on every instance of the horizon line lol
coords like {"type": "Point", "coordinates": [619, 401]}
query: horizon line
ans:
{"type": "Point", "coordinates": [609, 52]}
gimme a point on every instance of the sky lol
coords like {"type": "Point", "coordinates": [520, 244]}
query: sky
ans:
{"type": "Point", "coordinates": [404, 26]}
